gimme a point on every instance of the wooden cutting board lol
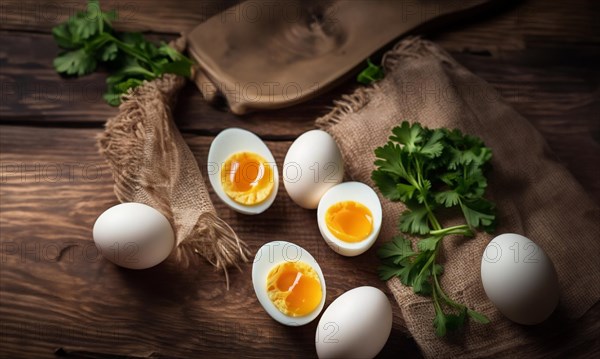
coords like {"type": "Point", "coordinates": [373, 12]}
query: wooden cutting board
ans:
{"type": "Point", "coordinates": [269, 54]}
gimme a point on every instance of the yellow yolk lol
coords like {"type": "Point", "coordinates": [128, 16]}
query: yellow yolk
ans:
{"type": "Point", "coordinates": [247, 178]}
{"type": "Point", "coordinates": [349, 221]}
{"type": "Point", "coordinates": [294, 288]}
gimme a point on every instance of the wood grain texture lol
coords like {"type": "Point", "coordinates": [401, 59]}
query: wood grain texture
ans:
{"type": "Point", "coordinates": [133, 15]}
{"type": "Point", "coordinates": [55, 291]}
{"type": "Point", "coordinates": [33, 93]}
{"type": "Point", "coordinates": [561, 101]}
{"type": "Point", "coordinates": [80, 300]}
{"type": "Point", "coordinates": [509, 27]}
{"type": "Point", "coordinates": [520, 25]}
{"type": "Point", "coordinates": [58, 292]}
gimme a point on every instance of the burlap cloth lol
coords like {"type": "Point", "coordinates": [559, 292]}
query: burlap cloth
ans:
{"type": "Point", "coordinates": [536, 196]}
{"type": "Point", "coordinates": [152, 164]}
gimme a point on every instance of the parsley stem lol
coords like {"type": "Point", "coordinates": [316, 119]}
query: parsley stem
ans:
{"type": "Point", "coordinates": [436, 302]}
{"type": "Point", "coordinates": [434, 222]}
{"type": "Point", "coordinates": [444, 295]}
{"type": "Point", "coordinates": [430, 260]}
{"type": "Point", "coordinates": [428, 170]}
{"type": "Point", "coordinates": [460, 229]}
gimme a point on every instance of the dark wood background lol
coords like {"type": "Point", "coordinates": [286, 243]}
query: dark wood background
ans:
{"type": "Point", "coordinates": [56, 292]}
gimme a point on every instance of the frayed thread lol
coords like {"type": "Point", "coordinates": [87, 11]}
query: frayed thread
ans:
{"type": "Point", "coordinates": [145, 119]}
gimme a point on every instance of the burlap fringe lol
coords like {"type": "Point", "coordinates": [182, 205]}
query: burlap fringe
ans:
{"type": "Point", "coordinates": [216, 242]}
{"type": "Point", "coordinates": [122, 144]}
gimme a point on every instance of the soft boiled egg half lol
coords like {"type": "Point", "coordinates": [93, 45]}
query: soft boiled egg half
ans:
{"type": "Point", "coordinates": [242, 171]}
{"type": "Point", "coordinates": [349, 217]}
{"type": "Point", "coordinates": [288, 283]}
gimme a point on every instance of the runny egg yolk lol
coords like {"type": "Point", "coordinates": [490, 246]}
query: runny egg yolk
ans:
{"type": "Point", "coordinates": [349, 221]}
{"type": "Point", "coordinates": [294, 288]}
{"type": "Point", "coordinates": [247, 178]}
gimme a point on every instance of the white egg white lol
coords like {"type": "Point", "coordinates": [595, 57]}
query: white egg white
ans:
{"type": "Point", "coordinates": [519, 278]}
{"type": "Point", "coordinates": [275, 253]}
{"type": "Point", "coordinates": [227, 143]}
{"type": "Point", "coordinates": [312, 165]}
{"type": "Point", "coordinates": [357, 324]}
{"type": "Point", "coordinates": [350, 191]}
{"type": "Point", "coordinates": [134, 235]}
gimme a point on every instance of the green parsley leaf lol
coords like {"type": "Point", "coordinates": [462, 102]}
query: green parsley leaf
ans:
{"type": "Point", "coordinates": [387, 185]}
{"type": "Point", "coordinates": [123, 86]}
{"type": "Point", "coordinates": [421, 284]}
{"type": "Point", "coordinates": [456, 321]}
{"type": "Point", "coordinates": [438, 269]}
{"type": "Point", "coordinates": [439, 322]}
{"type": "Point", "coordinates": [407, 135]}
{"type": "Point", "coordinates": [406, 191]}
{"type": "Point", "coordinates": [77, 62]}
{"type": "Point", "coordinates": [433, 147]}
{"type": "Point", "coordinates": [178, 67]}
{"type": "Point", "coordinates": [109, 52]}
{"type": "Point", "coordinates": [447, 198]}
{"type": "Point", "coordinates": [414, 221]}
{"type": "Point", "coordinates": [63, 37]}
{"type": "Point", "coordinates": [388, 272]}
{"type": "Point", "coordinates": [428, 170]}
{"type": "Point", "coordinates": [479, 213]}
{"type": "Point", "coordinates": [113, 99]}
{"type": "Point", "coordinates": [398, 250]}
{"type": "Point", "coordinates": [428, 244]}
{"type": "Point", "coordinates": [392, 160]}
{"type": "Point", "coordinates": [371, 74]}
{"type": "Point", "coordinates": [90, 41]}
{"type": "Point", "coordinates": [478, 317]}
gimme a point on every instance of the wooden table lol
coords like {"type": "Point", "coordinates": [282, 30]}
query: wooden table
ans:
{"type": "Point", "coordinates": [56, 292]}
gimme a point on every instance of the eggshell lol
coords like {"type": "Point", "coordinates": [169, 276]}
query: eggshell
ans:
{"type": "Point", "coordinates": [267, 257]}
{"type": "Point", "coordinates": [228, 142]}
{"type": "Point", "coordinates": [350, 191]}
{"type": "Point", "coordinates": [519, 278]}
{"type": "Point", "coordinates": [312, 165]}
{"type": "Point", "coordinates": [133, 235]}
{"type": "Point", "coordinates": [356, 325]}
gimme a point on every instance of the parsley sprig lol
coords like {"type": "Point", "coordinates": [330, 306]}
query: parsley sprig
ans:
{"type": "Point", "coordinates": [89, 40]}
{"type": "Point", "coordinates": [371, 74]}
{"type": "Point", "coordinates": [430, 170]}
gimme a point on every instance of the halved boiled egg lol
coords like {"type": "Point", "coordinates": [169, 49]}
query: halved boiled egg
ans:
{"type": "Point", "coordinates": [349, 217]}
{"type": "Point", "coordinates": [242, 171]}
{"type": "Point", "coordinates": [288, 283]}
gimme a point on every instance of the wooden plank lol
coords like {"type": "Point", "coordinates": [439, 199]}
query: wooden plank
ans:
{"type": "Point", "coordinates": [518, 25]}
{"type": "Point", "coordinates": [543, 60]}
{"type": "Point", "coordinates": [561, 101]}
{"type": "Point", "coordinates": [34, 93]}
{"type": "Point", "coordinates": [133, 15]}
{"type": "Point", "coordinates": [507, 26]}
{"type": "Point", "coordinates": [54, 185]}
{"type": "Point", "coordinates": [57, 291]}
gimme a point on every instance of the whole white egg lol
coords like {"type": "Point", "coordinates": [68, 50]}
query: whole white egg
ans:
{"type": "Point", "coordinates": [298, 282]}
{"type": "Point", "coordinates": [519, 278]}
{"type": "Point", "coordinates": [312, 165]}
{"type": "Point", "coordinates": [356, 325]}
{"type": "Point", "coordinates": [134, 235]}
{"type": "Point", "coordinates": [257, 178]}
{"type": "Point", "coordinates": [351, 229]}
